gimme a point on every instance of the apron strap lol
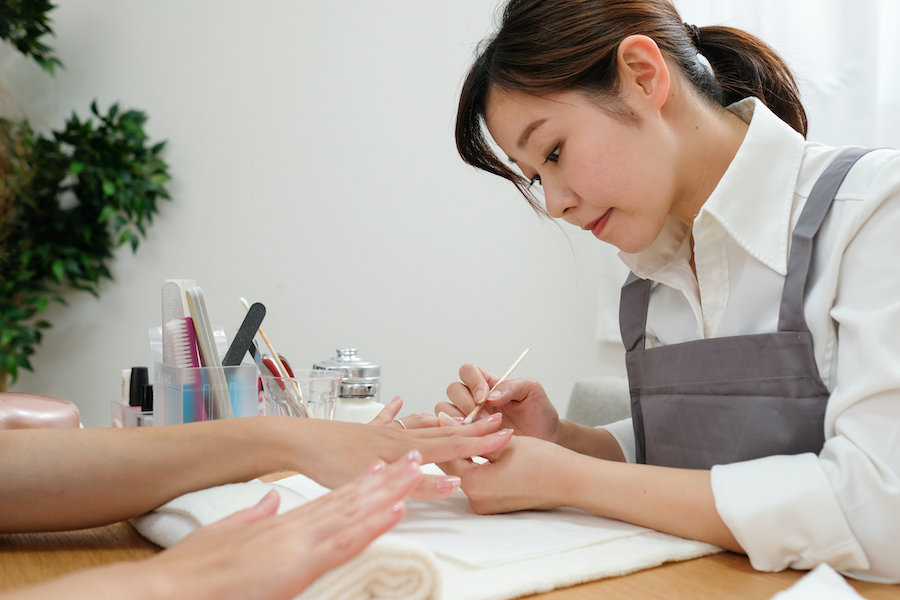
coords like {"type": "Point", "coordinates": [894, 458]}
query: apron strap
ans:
{"type": "Point", "coordinates": [791, 317]}
{"type": "Point", "coordinates": [633, 305]}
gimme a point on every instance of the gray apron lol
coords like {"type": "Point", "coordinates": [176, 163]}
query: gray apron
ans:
{"type": "Point", "coordinates": [723, 400]}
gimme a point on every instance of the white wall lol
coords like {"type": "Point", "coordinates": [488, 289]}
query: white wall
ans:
{"type": "Point", "coordinates": [314, 170]}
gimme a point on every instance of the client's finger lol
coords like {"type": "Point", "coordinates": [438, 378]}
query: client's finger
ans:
{"type": "Point", "coordinates": [431, 487]}
{"type": "Point", "coordinates": [389, 412]}
{"type": "Point", "coordinates": [453, 446]}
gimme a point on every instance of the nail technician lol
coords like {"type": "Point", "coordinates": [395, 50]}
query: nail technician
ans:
{"type": "Point", "coordinates": [761, 318]}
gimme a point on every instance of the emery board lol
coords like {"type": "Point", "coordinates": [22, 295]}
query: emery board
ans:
{"type": "Point", "coordinates": [209, 354]}
{"type": "Point", "coordinates": [243, 339]}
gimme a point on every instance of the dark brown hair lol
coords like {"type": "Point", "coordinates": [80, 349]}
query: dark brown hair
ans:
{"type": "Point", "coordinates": [547, 46]}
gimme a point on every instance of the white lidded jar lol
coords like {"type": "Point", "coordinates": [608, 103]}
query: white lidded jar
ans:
{"type": "Point", "coordinates": [360, 388]}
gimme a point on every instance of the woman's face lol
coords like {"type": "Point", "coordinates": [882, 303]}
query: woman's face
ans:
{"type": "Point", "coordinates": [597, 172]}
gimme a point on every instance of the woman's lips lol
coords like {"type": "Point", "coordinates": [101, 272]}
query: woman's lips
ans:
{"type": "Point", "coordinates": [596, 227]}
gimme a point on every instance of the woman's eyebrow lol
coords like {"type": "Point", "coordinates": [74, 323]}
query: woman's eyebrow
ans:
{"type": "Point", "coordinates": [523, 139]}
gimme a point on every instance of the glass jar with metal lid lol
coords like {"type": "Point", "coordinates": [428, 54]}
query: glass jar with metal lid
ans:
{"type": "Point", "coordinates": [360, 388]}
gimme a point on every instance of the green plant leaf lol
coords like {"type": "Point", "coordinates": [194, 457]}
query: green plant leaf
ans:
{"type": "Point", "coordinates": [106, 214]}
{"type": "Point", "coordinates": [59, 269]}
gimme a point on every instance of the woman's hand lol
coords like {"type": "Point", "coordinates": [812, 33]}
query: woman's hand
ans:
{"type": "Point", "coordinates": [388, 415]}
{"type": "Point", "coordinates": [522, 402]}
{"type": "Point", "coordinates": [255, 553]}
{"type": "Point", "coordinates": [332, 452]}
{"type": "Point", "coordinates": [522, 475]}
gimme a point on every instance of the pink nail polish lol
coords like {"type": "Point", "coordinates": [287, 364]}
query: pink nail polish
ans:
{"type": "Point", "coordinates": [414, 456]}
{"type": "Point", "coordinates": [379, 466]}
{"type": "Point", "coordinates": [448, 484]}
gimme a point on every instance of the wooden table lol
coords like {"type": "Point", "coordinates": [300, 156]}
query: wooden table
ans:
{"type": "Point", "coordinates": [27, 558]}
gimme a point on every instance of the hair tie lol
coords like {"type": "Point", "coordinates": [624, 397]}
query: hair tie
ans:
{"type": "Point", "coordinates": [694, 32]}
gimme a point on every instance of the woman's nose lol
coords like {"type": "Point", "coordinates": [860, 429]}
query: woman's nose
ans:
{"type": "Point", "coordinates": [559, 200]}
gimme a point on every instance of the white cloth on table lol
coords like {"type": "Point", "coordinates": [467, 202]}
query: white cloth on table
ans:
{"type": "Point", "coordinates": [822, 583]}
{"type": "Point", "coordinates": [841, 507]}
{"type": "Point", "coordinates": [460, 555]}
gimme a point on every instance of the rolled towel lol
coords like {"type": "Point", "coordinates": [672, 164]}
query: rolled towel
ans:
{"type": "Point", "coordinates": [390, 568]}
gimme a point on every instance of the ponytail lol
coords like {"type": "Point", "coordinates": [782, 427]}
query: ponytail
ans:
{"type": "Point", "coordinates": [746, 66]}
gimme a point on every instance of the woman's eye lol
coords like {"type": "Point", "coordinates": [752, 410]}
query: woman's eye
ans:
{"type": "Point", "coordinates": [553, 156]}
{"type": "Point", "coordinates": [534, 180]}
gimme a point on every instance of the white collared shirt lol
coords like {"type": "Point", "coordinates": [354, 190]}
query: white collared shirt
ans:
{"type": "Point", "coordinates": [841, 507]}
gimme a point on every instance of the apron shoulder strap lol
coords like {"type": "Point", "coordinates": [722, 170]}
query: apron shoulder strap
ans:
{"type": "Point", "coordinates": [633, 305]}
{"type": "Point", "coordinates": [791, 317]}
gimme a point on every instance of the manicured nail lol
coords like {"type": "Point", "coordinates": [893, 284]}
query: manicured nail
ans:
{"type": "Point", "coordinates": [379, 466]}
{"type": "Point", "coordinates": [494, 395]}
{"type": "Point", "coordinates": [448, 484]}
{"type": "Point", "coordinates": [504, 432]}
{"type": "Point", "coordinates": [397, 507]}
{"type": "Point", "coordinates": [494, 417]}
{"type": "Point", "coordinates": [479, 397]}
{"type": "Point", "coordinates": [446, 420]}
{"type": "Point", "coordinates": [413, 456]}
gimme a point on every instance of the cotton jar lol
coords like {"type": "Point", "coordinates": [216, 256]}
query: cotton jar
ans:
{"type": "Point", "coordinates": [360, 387]}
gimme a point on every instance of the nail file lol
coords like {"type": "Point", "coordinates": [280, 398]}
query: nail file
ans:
{"type": "Point", "coordinates": [240, 345]}
{"type": "Point", "coordinates": [209, 354]}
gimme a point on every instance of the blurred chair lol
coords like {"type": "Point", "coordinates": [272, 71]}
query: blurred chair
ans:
{"type": "Point", "coordinates": [29, 411]}
{"type": "Point", "coordinates": [599, 400]}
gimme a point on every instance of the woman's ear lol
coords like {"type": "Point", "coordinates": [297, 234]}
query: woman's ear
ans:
{"type": "Point", "coordinates": [643, 72]}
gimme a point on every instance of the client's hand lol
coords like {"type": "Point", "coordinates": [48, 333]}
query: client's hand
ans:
{"type": "Point", "coordinates": [388, 416]}
{"type": "Point", "coordinates": [255, 553]}
{"type": "Point", "coordinates": [343, 450]}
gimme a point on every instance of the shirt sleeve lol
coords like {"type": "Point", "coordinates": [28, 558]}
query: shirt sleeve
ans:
{"type": "Point", "coordinates": [623, 432]}
{"type": "Point", "coordinates": [841, 507]}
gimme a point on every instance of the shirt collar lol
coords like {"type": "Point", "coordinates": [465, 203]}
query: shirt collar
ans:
{"type": "Point", "coordinates": [752, 201]}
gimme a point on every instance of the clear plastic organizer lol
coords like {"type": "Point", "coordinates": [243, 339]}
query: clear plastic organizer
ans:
{"type": "Point", "coordinates": [185, 395]}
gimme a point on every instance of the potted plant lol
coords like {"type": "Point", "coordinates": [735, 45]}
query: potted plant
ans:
{"type": "Point", "coordinates": [67, 200]}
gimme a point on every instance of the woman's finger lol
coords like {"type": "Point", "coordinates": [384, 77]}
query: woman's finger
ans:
{"type": "Point", "coordinates": [389, 412]}
{"type": "Point", "coordinates": [432, 487]}
{"type": "Point", "coordinates": [477, 380]}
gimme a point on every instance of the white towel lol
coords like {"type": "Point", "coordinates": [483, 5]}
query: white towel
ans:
{"type": "Point", "coordinates": [430, 553]}
{"type": "Point", "coordinates": [390, 568]}
{"type": "Point", "coordinates": [822, 583]}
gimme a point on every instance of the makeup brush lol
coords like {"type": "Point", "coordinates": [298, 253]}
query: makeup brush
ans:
{"type": "Point", "coordinates": [477, 408]}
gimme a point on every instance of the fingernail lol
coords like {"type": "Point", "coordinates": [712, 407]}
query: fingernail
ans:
{"type": "Point", "coordinates": [396, 398]}
{"type": "Point", "coordinates": [413, 456]}
{"type": "Point", "coordinates": [448, 484]}
{"type": "Point", "coordinates": [479, 397]}
{"type": "Point", "coordinates": [504, 432]}
{"type": "Point", "coordinates": [495, 417]}
{"type": "Point", "coordinates": [446, 420]}
{"type": "Point", "coordinates": [494, 395]}
{"type": "Point", "coordinates": [379, 466]}
{"type": "Point", "coordinates": [397, 507]}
